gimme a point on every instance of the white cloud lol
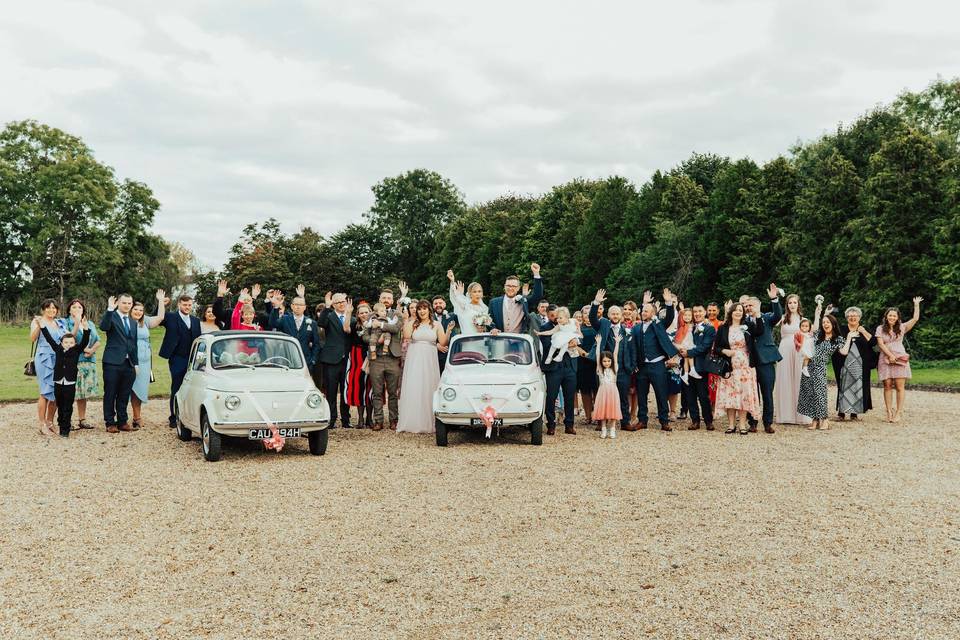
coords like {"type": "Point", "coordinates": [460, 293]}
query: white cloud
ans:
{"type": "Point", "coordinates": [236, 111]}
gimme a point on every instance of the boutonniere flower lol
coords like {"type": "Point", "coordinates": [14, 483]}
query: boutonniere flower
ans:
{"type": "Point", "coordinates": [309, 322]}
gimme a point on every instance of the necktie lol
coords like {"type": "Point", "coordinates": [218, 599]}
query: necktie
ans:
{"type": "Point", "coordinates": [126, 325]}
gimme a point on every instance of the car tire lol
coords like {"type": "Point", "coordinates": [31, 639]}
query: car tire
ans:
{"type": "Point", "coordinates": [441, 430]}
{"type": "Point", "coordinates": [184, 434]}
{"type": "Point", "coordinates": [211, 442]}
{"type": "Point", "coordinates": [536, 432]}
{"type": "Point", "coordinates": [318, 441]}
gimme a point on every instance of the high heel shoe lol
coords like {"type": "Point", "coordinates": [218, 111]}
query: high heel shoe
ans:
{"type": "Point", "coordinates": [744, 431]}
{"type": "Point", "coordinates": [731, 430]}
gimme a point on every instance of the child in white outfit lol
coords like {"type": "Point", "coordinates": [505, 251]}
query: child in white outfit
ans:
{"type": "Point", "coordinates": [807, 344]}
{"type": "Point", "coordinates": [561, 335]}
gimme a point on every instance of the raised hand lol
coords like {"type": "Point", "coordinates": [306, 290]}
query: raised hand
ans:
{"type": "Point", "coordinates": [403, 288]}
{"type": "Point", "coordinates": [600, 296]}
{"type": "Point", "coordinates": [679, 305]}
{"type": "Point", "coordinates": [830, 308]}
{"type": "Point", "coordinates": [526, 289]}
{"type": "Point", "coordinates": [450, 275]}
{"type": "Point", "coordinates": [458, 287]}
{"type": "Point", "coordinates": [161, 295]}
{"type": "Point", "coordinates": [647, 297]}
{"type": "Point", "coordinates": [773, 291]}
{"type": "Point", "coordinates": [244, 295]}
{"type": "Point", "coordinates": [255, 291]}
{"type": "Point", "coordinates": [917, 300]}
{"type": "Point", "coordinates": [667, 295]}
{"type": "Point", "coordinates": [535, 268]}
{"type": "Point", "coordinates": [222, 288]}
{"type": "Point", "coordinates": [328, 299]}
{"type": "Point", "coordinates": [301, 290]}
{"type": "Point", "coordinates": [111, 303]}
{"type": "Point", "coordinates": [726, 306]}
{"type": "Point", "coordinates": [347, 310]}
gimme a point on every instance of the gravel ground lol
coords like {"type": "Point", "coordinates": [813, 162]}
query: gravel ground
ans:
{"type": "Point", "coordinates": [851, 533]}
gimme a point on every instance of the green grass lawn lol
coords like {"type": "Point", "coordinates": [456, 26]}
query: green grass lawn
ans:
{"type": "Point", "coordinates": [15, 351]}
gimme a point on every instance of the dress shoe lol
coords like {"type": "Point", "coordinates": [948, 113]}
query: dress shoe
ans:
{"type": "Point", "coordinates": [393, 426]}
{"type": "Point", "coordinates": [551, 431]}
{"type": "Point", "coordinates": [598, 427]}
{"type": "Point", "coordinates": [112, 428]}
{"type": "Point", "coordinates": [753, 428]}
{"type": "Point", "coordinates": [768, 428]}
{"type": "Point", "coordinates": [125, 427]}
{"type": "Point", "coordinates": [377, 427]}
{"type": "Point", "coordinates": [665, 426]}
{"type": "Point", "coordinates": [641, 425]}
{"type": "Point", "coordinates": [709, 426]}
{"type": "Point", "coordinates": [345, 425]}
{"type": "Point", "coordinates": [570, 430]}
{"type": "Point", "coordinates": [629, 427]}
{"type": "Point", "coordinates": [694, 426]}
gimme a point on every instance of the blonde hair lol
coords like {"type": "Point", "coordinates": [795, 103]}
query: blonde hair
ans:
{"type": "Point", "coordinates": [380, 309]}
{"type": "Point", "coordinates": [563, 312]}
{"type": "Point", "coordinates": [474, 285]}
{"type": "Point", "coordinates": [244, 308]}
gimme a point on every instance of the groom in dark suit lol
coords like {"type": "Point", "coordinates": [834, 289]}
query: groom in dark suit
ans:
{"type": "Point", "coordinates": [119, 361]}
{"type": "Point", "coordinates": [337, 324]}
{"type": "Point", "coordinates": [510, 311]}
{"type": "Point", "coordinates": [652, 349]}
{"type": "Point", "coordinates": [766, 352]}
{"type": "Point", "coordinates": [180, 330]}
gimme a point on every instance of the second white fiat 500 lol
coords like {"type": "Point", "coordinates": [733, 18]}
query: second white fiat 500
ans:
{"type": "Point", "coordinates": [490, 381]}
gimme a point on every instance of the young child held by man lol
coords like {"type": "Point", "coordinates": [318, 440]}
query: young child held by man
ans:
{"type": "Point", "coordinates": [68, 353]}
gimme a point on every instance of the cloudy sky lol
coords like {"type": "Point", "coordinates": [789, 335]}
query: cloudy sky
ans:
{"type": "Point", "coordinates": [236, 111]}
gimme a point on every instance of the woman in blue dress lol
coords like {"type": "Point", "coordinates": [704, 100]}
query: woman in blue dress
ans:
{"type": "Point", "coordinates": [44, 361]}
{"type": "Point", "coordinates": [141, 385]}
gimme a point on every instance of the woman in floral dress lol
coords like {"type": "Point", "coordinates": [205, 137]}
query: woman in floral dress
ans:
{"type": "Point", "coordinates": [737, 393]}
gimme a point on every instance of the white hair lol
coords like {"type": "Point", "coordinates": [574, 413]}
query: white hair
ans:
{"type": "Point", "coordinates": [614, 308]}
{"type": "Point", "coordinates": [857, 311]}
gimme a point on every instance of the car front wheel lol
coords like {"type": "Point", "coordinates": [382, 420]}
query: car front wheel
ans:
{"type": "Point", "coordinates": [441, 430]}
{"type": "Point", "coordinates": [318, 441]}
{"type": "Point", "coordinates": [536, 432]}
{"type": "Point", "coordinates": [211, 441]}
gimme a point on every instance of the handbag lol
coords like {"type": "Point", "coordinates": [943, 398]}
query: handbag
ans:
{"type": "Point", "coordinates": [30, 369]}
{"type": "Point", "coordinates": [717, 365]}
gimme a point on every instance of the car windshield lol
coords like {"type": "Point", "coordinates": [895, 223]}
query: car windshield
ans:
{"type": "Point", "coordinates": [487, 348]}
{"type": "Point", "coordinates": [263, 351]}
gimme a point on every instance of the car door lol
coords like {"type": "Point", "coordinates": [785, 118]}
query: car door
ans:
{"type": "Point", "coordinates": [192, 381]}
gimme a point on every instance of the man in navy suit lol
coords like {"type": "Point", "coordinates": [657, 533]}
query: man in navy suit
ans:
{"type": "Point", "coordinates": [119, 361]}
{"type": "Point", "coordinates": [180, 330]}
{"type": "Point", "coordinates": [559, 376]}
{"type": "Point", "coordinates": [766, 350]}
{"type": "Point", "coordinates": [698, 389]}
{"type": "Point", "coordinates": [652, 349]}
{"type": "Point", "coordinates": [610, 332]}
{"type": "Point", "coordinates": [298, 325]}
{"type": "Point", "coordinates": [510, 311]}
{"type": "Point", "coordinates": [337, 324]}
{"type": "Point", "coordinates": [444, 318]}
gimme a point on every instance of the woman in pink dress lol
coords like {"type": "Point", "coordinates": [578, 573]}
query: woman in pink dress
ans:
{"type": "Point", "coordinates": [737, 394]}
{"type": "Point", "coordinates": [787, 390]}
{"type": "Point", "coordinates": [894, 361]}
{"type": "Point", "coordinates": [421, 372]}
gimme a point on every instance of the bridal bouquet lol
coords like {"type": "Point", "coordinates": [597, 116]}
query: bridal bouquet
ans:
{"type": "Point", "coordinates": [482, 321]}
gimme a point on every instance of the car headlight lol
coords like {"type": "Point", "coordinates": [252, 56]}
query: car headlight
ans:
{"type": "Point", "coordinates": [449, 394]}
{"type": "Point", "coordinates": [523, 393]}
{"type": "Point", "coordinates": [232, 402]}
{"type": "Point", "coordinates": [314, 400]}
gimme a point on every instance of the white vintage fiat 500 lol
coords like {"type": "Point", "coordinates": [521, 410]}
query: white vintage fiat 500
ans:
{"type": "Point", "coordinates": [490, 381]}
{"type": "Point", "coordinates": [245, 384]}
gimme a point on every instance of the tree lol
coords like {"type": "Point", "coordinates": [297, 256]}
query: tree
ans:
{"type": "Point", "coordinates": [596, 248]}
{"type": "Point", "coordinates": [408, 212]}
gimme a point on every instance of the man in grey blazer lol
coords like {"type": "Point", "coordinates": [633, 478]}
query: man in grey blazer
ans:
{"type": "Point", "coordinates": [767, 352]}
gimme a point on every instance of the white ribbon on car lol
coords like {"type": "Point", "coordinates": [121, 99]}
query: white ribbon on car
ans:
{"type": "Point", "coordinates": [275, 441]}
{"type": "Point", "coordinates": [487, 419]}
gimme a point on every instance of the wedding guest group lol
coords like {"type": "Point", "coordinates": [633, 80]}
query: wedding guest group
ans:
{"type": "Point", "coordinates": [745, 363]}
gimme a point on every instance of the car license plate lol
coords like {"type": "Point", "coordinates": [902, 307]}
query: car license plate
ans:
{"type": "Point", "coordinates": [478, 422]}
{"type": "Point", "coordinates": [260, 434]}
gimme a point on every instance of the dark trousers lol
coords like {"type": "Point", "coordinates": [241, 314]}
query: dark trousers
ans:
{"type": "Point", "coordinates": [766, 378]}
{"type": "Point", "coordinates": [698, 393]}
{"type": "Point", "coordinates": [623, 387]}
{"type": "Point", "coordinates": [334, 381]}
{"type": "Point", "coordinates": [178, 369]}
{"type": "Point", "coordinates": [653, 374]}
{"type": "Point", "coordinates": [562, 376]}
{"type": "Point", "coordinates": [64, 394]}
{"type": "Point", "coordinates": [441, 360]}
{"type": "Point", "coordinates": [117, 385]}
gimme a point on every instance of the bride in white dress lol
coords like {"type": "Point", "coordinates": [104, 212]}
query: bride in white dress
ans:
{"type": "Point", "coordinates": [469, 308]}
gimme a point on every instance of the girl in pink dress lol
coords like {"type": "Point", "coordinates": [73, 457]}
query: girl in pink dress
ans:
{"type": "Point", "coordinates": [606, 407]}
{"type": "Point", "coordinates": [894, 361]}
{"type": "Point", "coordinates": [737, 394]}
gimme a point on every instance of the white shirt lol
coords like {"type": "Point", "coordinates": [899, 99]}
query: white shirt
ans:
{"type": "Point", "coordinates": [185, 318]}
{"type": "Point", "coordinates": [298, 320]}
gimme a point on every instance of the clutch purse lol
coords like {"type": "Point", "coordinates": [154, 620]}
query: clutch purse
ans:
{"type": "Point", "coordinates": [905, 358]}
{"type": "Point", "coordinates": [30, 369]}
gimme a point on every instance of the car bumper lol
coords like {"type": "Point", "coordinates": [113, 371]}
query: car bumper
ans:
{"type": "Point", "coordinates": [241, 429]}
{"type": "Point", "coordinates": [509, 419]}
